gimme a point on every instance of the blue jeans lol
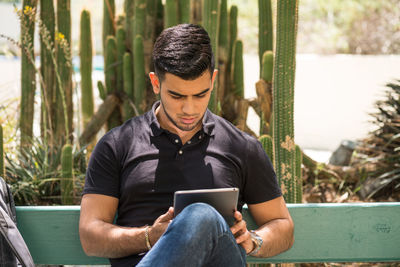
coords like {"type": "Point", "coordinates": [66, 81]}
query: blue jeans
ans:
{"type": "Point", "coordinates": [198, 236]}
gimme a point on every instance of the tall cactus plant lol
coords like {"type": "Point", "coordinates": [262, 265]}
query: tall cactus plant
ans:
{"type": "Point", "coordinates": [171, 14]}
{"type": "Point", "coordinates": [67, 181]}
{"type": "Point", "coordinates": [265, 26]}
{"type": "Point", "coordinates": [108, 20]}
{"type": "Point", "coordinates": [267, 143]}
{"type": "Point", "coordinates": [211, 25]}
{"type": "Point", "coordinates": [28, 84]}
{"type": "Point", "coordinates": [120, 38]}
{"type": "Point", "coordinates": [86, 58]}
{"type": "Point", "coordinates": [237, 69]}
{"type": "Point", "coordinates": [128, 86]}
{"type": "Point", "coordinates": [47, 17]}
{"type": "Point", "coordinates": [139, 76]}
{"type": "Point", "coordinates": [298, 175]}
{"type": "Point", "coordinates": [283, 95]}
{"type": "Point", "coordinates": [223, 49]}
{"type": "Point", "coordinates": [63, 122]}
{"type": "Point", "coordinates": [184, 7]}
{"type": "Point", "coordinates": [264, 92]}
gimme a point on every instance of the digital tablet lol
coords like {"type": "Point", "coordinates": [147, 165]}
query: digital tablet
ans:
{"type": "Point", "coordinates": [224, 200]}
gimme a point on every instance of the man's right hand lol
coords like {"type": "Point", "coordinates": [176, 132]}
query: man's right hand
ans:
{"type": "Point", "coordinates": [160, 225]}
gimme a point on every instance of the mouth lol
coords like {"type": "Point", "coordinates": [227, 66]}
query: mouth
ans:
{"type": "Point", "coordinates": [188, 120]}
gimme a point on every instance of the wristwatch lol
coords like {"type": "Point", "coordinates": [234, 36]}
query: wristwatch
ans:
{"type": "Point", "coordinates": [257, 241]}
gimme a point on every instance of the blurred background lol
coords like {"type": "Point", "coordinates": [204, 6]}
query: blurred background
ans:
{"type": "Point", "coordinates": [347, 51]}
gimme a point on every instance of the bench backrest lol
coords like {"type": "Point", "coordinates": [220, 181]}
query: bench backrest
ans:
{"type": "Point", "coordinates": [362, 232]}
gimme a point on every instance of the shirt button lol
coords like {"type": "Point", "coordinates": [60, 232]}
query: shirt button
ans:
{"type": "Point", "coordinates": [176, 141]}
{"type": "Point", "coordinates": [180, 152]}
{"type": "Point", "coordinates": [199, 136]}
{"type": "Point", "coordinates": [189, 142]}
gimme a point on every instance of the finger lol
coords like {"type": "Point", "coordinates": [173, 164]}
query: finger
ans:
{"type": "Point", "coordinates": [166, 217]}
{"type": "Point", "coordinates": [239, 227]}
{"type": "Point", "coordinates": [238, 216]}
{"type": "Point", "coordinates": [243, 237]}
{"type": "Point", "coordinates": [171, 211]}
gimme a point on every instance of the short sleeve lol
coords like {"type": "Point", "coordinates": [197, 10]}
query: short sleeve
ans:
{"type": "Point", "coordinates": [260, 179]}
{"type": "Point", "coordinates": [102, 174]}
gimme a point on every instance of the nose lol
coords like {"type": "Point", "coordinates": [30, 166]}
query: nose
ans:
{"type": "Point", "coordinates": [188, 106]}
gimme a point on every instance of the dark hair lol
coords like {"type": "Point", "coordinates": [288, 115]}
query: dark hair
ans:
{"type": "Point", "coordinates": [183, 50]}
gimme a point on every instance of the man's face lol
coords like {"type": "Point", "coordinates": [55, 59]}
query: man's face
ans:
{"type": "Point", "coordinates": [183, 102]}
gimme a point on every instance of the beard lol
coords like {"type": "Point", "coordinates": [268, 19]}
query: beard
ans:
{"type": "Point", "coordinates": [186, 128]}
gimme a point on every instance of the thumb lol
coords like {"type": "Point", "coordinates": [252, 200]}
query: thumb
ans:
{"type": "Point", "coordinates": [169, 215]}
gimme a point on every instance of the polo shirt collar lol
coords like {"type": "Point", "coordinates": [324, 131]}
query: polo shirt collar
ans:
{"type": "Point", "coordinates": [208, 121]}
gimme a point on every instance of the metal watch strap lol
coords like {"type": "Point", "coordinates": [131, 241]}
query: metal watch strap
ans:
{"type": "Point", "coordinates": [257, 240]}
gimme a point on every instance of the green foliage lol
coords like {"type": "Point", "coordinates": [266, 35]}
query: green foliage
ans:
{"type": "Point", "coordinates": [86, 58]}
{"type": "Point", "coordinates": [35, 177]}
{"type": "Point", "coordinates": [283, 97]}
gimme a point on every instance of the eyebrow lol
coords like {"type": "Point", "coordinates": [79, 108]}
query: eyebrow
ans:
{"type": "Point", "coordinates": [180, 95]}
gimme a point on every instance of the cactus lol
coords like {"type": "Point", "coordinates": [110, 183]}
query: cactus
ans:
{"type": "Point", "coordinates": [128, 85]}
{"type": "Point", "coordinates": [110, 72]}
{"type": "Point", "coordinates": [129, 9]}
{"type": "Point", "coordinates": [2, 171]}
{"type": "Point", "coordinates": [108, 21]}
{"type": "Point", "coordinates": [47, 67]}
{"type": "Point", "coordinates": [63, 122]}
{"type": "Point", "coordinates": [85, 53]}
{"type": "Point", "coordinates": [265, 26]}
{"type": "Point", "coordinates": [102, 91]}
{"type": "Point", "coordinates": [211, 25]}
{"type": "Point", "coordinates": [298, 175]}
{"type": "Point", "coordinates": [223, 47]}
{"type": "Point", "coordinates": [267, 66]}
{"type": "Point", "coordinates": [267, 144]}
{"type": "Point", "coordinates": [139, 75]}
{"type": "Point", "coordinates": [232, 36]}
{"type": "Point", "coordinates": [67, 181]}
{"type": "Point", "coordinates": [139, 24]}
{"type": "Point", "coordinates": [237, 69]}
{"type": "Point", "coordinates": [120, 38]}
{"type": "Point", "coordinates": [283, 95]}
{"type": "Point", "coordinates": [28, 80]}
{"type": "Point", "coordinates": [184, 11]}
{"type": "Point", "coordinates": [170, 15]}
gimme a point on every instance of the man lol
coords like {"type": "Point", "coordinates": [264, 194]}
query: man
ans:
{"type": "Point", "coordinates": [179, 144]}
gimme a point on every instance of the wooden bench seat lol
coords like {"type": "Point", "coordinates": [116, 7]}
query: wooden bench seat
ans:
{"type": "Point", "coordinates": [361, 232]}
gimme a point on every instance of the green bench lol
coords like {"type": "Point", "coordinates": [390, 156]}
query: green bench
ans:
{"type": "Point", "coordinates": [362, 232]}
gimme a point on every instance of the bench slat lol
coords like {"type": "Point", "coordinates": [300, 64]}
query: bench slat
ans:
{"type": "Point", "coordinates": [361, 232]}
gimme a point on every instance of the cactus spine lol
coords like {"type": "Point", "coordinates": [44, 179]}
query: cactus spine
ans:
{"type": "Point", "coordinates": [47, 68]}
{"type": "Point", "coordinates": [128, 86]}
{"type": "Point", "coordinates": [67, 181]}
{"type": "Point", "coordinates": [265, 26]}
{"type": "Point", "coordinates": [85, 53]}
{"type": "Point", "coordinates": [237, 69]}
{"type": "Point", "coordinates": [283, 95]}
{"type": "Point", "coordinates": [184, 11]}
{"type": "Point", "coordinates": [211, 25]}
{"type": "Point", "coordinates": [139, 75]}
{"type": "Point", "coordinates": [28, 84]}
{"type": "Point", "coordinates": [267, 143]}
{"type": "Point", "coordinates": [2, 171]}
{"type": "Point", "coordinates": [108, 20]}
{"type": "Point", "coordinates": [299, 190]}
{"type": "Point", "coordinates": [170, 16]}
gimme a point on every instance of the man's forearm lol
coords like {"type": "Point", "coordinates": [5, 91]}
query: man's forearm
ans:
{"type": "Point", "coordinates": [277, 237]}
{"type": "Point", "coordinates": [106, 240]}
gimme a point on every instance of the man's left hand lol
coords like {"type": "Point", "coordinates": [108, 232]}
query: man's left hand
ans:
{"type": "Point", "coordinates": [242, 235]}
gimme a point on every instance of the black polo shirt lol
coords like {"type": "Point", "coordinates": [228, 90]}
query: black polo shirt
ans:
{"type": "Point", "coordinates": [142, 165]}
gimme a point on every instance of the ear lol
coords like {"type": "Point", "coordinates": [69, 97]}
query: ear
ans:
{"type": "Point", "coordinates": [155, 82]}
{"type": "Point", "coordinates": [213, 78]}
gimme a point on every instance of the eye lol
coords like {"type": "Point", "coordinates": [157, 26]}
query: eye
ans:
{"type": "Point", "coordinates": [201, 96]}
{"type": "Point", "coordinates": [176, 96]}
